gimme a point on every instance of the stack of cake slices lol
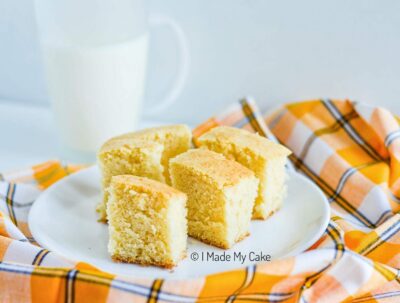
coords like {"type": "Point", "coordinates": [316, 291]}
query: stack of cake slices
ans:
{"type": "Point", "coordinates": [157, 190]}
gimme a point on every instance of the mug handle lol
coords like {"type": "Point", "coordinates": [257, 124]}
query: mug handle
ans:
{"type": "Point", "coordinates": [157, 19]}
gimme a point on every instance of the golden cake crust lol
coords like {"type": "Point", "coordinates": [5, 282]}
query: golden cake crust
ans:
{"type": "Point", "coordinates": [176, 139]}
{"type": "Point", "coordinates": [221, 245]}
{"type": "Point", "coordinates": [214, 166]}
{"type": "Point", "coordinates": [171, 265]}
{"type": "Point", "coordinates": [264, 157]}
{"type": "Point", "coordinates": [146, 185]}
{"type": "Point", "coordinates": [149, 133]}
{"type": "Point", "coordinates": [116, 144]}
{"type": "Point", "coordinates": [259, 145]}
{"type": "Point", "coordinates": [142, 153]}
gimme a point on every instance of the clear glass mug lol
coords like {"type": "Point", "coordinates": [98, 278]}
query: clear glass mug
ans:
{"type": "Point", "coordinates": [95, 57]}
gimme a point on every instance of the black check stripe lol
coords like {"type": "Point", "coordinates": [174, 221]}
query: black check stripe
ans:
{"type": "Point", "coordinates": [250, 272]}
{"type": "Point", "coordinates": [390, 138]}
{"type": "Point", "coordinates": [11, 188]}
{"type": "Point", "coordinates": [155, 290]}
{"type": "Point", "coordinates": [32, 240]}
{"type": "Point", "coordinates": [250, 115]}
{"type": "Point", "coordinates": [129, 287]}
{"type": "Point", "coordinates": [334, 234]}
{"type": "Point", "coordinates": [18, 204]}
{"type": "Point", "coordinates": [346, 176]}
{"type": "Point", "coordinates": [40, 257]}
{"type": "Point", "coordinates": [382, 238]}
{"type": "Point", "coordinates": [391, 294]}
{"type": "Point", "coordinates": [37, 256]}
{"type": "Point", "coordinates": [384, 216]}
{"type": "Point", "coordinates": [258, 123]}
{"type": "Point", "coordinates": [381, 269]}
{"type": "Point", "coordinates": [70, 286]}
{"type": "Point", "coordinates": [353, 134]}
{"type": "Point", "coordinates": [335, 127]}
{"type": "Point", "coordinates": [334, 195]}
{"type": "Point", "coordinates": [328, 190]}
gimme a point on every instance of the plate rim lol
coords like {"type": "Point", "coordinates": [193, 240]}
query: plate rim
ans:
{"type": "Point", "coordinates": [300, 249]}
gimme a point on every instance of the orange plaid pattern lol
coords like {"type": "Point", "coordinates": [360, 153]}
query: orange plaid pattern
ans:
{"type": "Point", "coordinates": [350, 151]}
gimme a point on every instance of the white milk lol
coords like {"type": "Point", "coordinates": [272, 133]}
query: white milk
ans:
{"type": "Point", "coordinates": [96, 91]}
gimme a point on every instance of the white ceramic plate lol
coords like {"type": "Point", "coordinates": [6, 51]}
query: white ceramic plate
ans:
{"type": "Point", "coordinates": [63, 219]}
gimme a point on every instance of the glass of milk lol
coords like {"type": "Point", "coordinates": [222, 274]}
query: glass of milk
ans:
{"type": "Point", "coordinates": [95, 56]}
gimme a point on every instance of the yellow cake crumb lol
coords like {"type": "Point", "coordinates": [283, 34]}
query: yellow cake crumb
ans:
{"type": "Point", "coordinates": [176, 139]}
{"type": "Point", "coordinates": [221, 196]}
{"type": "Point", "coordinates": [143, 153]}
{"type": "Point", "coordinates": [147, 222]}
{"type": "Point", "coordinates": [264, 157]}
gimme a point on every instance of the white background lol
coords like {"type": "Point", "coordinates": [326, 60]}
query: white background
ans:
{"type": "Point", "coordinates": [277, 51]}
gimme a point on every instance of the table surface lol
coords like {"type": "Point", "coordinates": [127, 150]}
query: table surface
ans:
{"type": "Point", "coordinates": [29, 137]}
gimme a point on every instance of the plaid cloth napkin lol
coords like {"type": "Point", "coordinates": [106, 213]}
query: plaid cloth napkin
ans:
{"type": "Point", "coordinates": [351, 151]}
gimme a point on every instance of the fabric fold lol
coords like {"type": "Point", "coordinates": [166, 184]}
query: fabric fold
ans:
{"type": "Point", "coordinates": [351, 151]}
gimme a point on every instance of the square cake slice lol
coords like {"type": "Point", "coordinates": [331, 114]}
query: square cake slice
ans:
{"type": "Point", "coordinates": [144, 153]}
{"type": "Point", "coordinates": [147, 222]}
{"type": "Point", "coordinates": [221, 196]}
{"type": "Point", "coordinates": [176, 139]}
{"type": "Point", "coordinates": [264, 157]}
{"type": "Point", "coordinates": [128, 156]}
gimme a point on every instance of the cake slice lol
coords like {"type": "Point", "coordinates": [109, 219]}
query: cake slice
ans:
{"type": "Point", "coordinates": [221, 196]}
{"type": "Point", "coordinates": [176, 139]}
{"type": "Point", "coordinates": [128, 156]}
{"type": "Point", "coordinates": [146, 221]}
{"type": "Point", "coordinates": [144, 153]}
{"type": "Point", "coordinates": [264, 157]}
